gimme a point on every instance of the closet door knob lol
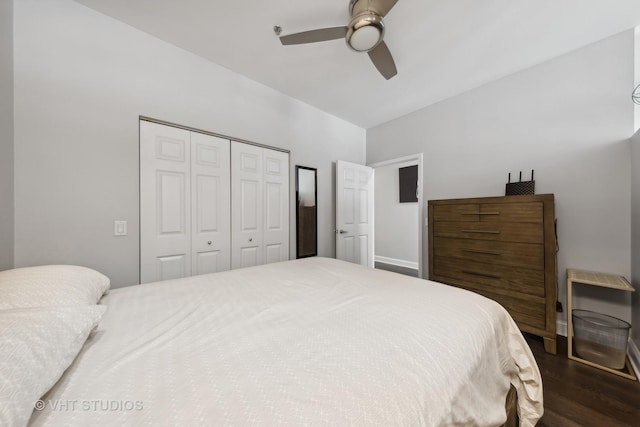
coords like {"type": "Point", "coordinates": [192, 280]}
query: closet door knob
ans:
{"type": "Point", "coordinates": [209, 243]}
{"type": "Point", "coordinates": [251, 239]}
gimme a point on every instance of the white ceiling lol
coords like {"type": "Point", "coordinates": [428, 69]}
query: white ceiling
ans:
{"type": "Point", "coordinates": [441, 47]}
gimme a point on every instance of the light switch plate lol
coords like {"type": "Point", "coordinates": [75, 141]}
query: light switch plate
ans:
{"type": "Point", "coordinates": [120, 228]}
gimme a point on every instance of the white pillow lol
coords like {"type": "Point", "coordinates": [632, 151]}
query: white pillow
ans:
{"type": "Point", "coordinates": [51, 285]}
{"type": "Point", "coordinates": [36, 346]}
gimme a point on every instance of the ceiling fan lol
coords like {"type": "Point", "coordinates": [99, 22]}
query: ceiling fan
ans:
{"type": "Point", "coordinates": [364, 33]}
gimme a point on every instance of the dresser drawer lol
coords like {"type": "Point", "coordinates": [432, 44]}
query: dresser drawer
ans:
{"type": "Point", "coordinates": [501, 253]}
{"type": "Point", "coordinates": [525, 313]}
{"type": "Point", "coordinates": [511, 212]}
{"type": "Point", "coordinates": [495, 231]}
{"type": "Point", "coordinates": [464, 213]}
{"type": "Point", "coordinates": [489, 212]}
{"type": "Point", "coordinates": [487, 276]}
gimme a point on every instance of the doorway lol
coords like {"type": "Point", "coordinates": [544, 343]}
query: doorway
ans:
{"type": "Point", "coordinates": [398, 219]}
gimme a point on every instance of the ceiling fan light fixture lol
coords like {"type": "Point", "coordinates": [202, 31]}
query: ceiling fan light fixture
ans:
{"type": "Point", "coordinates": [365, 38]}
{"type": "Point", "coordinates": [365, 32]}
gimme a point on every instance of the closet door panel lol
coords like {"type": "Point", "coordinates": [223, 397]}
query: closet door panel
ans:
{"type": "Point", "coordinates": [276, 205]}
{"type": "Point", "coordinates": [249, 256]}
{"type": "Point", "coordinates": [165, 200]}
{"type": "Point", "coordinates": [171, 267]}
{"type": "Point", "coordinates": [210, 213]}
{"type": "Point", "coordinates": [247, 205]}
{"type": "Point", "coordinates": [273, 253]}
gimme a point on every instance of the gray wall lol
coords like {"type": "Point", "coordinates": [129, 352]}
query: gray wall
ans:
{"type": "Point", "coordinates": [635, 237]}
{"type": "Point", "coordinates": [570, 119]}
{"type": "Point", "coordinates": [6, 134]}
{"type": "Point", "coordinates": [81, 81]}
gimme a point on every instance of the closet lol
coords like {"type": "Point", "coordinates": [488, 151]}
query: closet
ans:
{"type": "Point", "coordinates": [209, 204]}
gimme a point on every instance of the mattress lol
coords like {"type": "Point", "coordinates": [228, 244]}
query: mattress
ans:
{"type": "Point", "coordinates": [314, 341]}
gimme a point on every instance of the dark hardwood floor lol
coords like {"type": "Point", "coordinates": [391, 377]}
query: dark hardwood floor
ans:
{"type": "Point", "coordinates": [579, 395]}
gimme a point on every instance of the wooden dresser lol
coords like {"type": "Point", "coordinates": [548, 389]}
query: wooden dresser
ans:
{"type": "Point", "coordinates": [503, 248]}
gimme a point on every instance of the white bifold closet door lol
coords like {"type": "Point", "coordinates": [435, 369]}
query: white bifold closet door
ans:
{"type": "Point", "coordinates": [184, 203]}
{"type": "Point", "coordinates": [260, 205]}
{"type": "Point", "coordinates": [210, 214]}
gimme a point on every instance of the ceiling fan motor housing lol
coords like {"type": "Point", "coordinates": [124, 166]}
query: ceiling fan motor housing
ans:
{"type": "Point", "coordinates": [358, 7]}
{"type": "Point", "coordinates": [366, 29]}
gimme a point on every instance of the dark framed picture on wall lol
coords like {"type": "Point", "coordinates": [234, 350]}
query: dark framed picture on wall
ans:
{"type": "Point", "coordinates": [408, 181]}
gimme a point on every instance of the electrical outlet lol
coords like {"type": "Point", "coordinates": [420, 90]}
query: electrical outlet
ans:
{"type": "Point", "coordinates": [120, 228]}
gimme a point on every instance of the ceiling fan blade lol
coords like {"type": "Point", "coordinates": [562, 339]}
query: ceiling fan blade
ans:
{"type": "Point", "coordinates": [384, 6]}
{"type": "Point", "coordinates": [382, 59]}
{"type": "Point", "coordinates": [313, 36]}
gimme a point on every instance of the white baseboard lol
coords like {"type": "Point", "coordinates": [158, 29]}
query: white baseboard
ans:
{"type": "Point", "coordinates": [397, 262]}
{"type": "Point", "coordinates": [634, 356]}
{"type": "Point", "coordinates": [561, 327]}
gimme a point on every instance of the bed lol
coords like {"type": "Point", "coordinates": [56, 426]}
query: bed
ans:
{"type": "Point", "coordinates": [314, 341]}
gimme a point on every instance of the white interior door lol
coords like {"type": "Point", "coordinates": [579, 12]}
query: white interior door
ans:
{"type": "Point", "coordinates": [210, 209]}
{"type": "Point", "coordinates": [276, 206]}
{"type": "Point", "coordinates": [354, 213]}
{"type": "Point", "coordinates": [247, 187]}
{"type": "Point", "coordinates": [165, 200]}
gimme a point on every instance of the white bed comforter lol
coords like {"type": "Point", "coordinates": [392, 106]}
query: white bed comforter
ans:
{"type": "Point", "coordinates": [308, 342]}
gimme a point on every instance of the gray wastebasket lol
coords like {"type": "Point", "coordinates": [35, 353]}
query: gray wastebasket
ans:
{"type": "Point", "coordinates": [600, 338]}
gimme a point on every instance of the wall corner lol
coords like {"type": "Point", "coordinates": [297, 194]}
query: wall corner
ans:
{"type": "Point", "coordinates": [7, 138]}
{"type": "Point", "coordinates": [636, 76]}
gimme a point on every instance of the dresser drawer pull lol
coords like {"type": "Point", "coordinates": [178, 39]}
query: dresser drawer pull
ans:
{"type": "Point", "coordinates": [480, 213]}
{"type": "Point", "coordinates": [477, 251]}
{"type": "Point", "coordinates": [475, 273]}
{"type": "Point", "coordinates": [481, 231]}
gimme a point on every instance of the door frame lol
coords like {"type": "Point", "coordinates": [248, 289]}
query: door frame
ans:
{"type": "Point", "coordinates": [418, 158]}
